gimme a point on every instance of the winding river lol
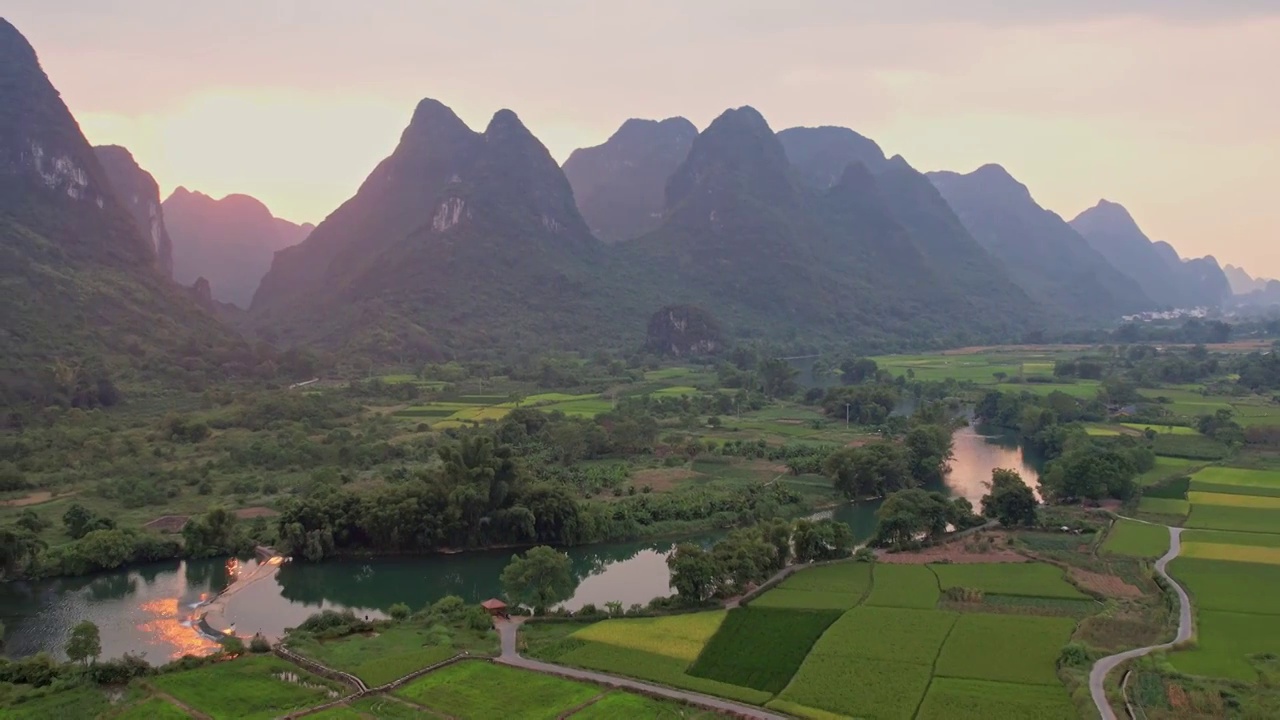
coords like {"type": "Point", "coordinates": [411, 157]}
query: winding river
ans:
{"type": "Point", "coordinates": [148, 609]}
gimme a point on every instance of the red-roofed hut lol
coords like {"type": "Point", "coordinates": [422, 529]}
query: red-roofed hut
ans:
{"type": "Point", "coordinates": [495, 607]}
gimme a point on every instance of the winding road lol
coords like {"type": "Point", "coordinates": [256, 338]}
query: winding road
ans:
{"type": "Point", "coordinates": [508, 629]}
{"type": "Point", "coordinates": [1103, 667]}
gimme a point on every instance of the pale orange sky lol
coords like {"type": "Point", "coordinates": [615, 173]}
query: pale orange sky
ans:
{"type": "Point", "coordinates": [1167, 106]}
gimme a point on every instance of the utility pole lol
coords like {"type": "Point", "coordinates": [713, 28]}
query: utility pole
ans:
{"type": "Point", "coordinates": [846, 416]}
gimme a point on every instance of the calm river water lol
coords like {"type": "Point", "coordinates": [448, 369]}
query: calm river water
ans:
{"type": "Point", "coordinates": [148, 609]}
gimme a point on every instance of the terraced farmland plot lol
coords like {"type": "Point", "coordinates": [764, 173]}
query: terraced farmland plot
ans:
{"type": "Point", "coordinates": [956, 699]}
{"type": "Point", "coordinates": [1238, 476]}
{"type": "Point", "coordinates": [1237, 587]}
{"type": "Point", "coordinates": [662, 669]}
{"type": "Point", "coordinates": [660, 649]}
{"type": "Point", "coordinates": [1166, 467]}
{"type": "Point", "coordinates": [1137, 539]}
{"type": "Point", "coordinates": [1005, 648]}
{"type": "Point", "coordinates": [904, 586]}
{"type": "Point", "coordinates": [856, 687]}
{"type": "Point", "coordinates": [1227, 537]}
{"type": "Point", "coordinates": [829, 587]}
{"type": "Point", "coordinates": [1225, 517]}
{"type": "Point", "coordinates": [1163, 429]}
{"type": "Point", "coordinates": [804, 600]}
{"type": "Point", "coordinates": [882, 633]}
{"type": "Point", "coordinates": [1021, 579]}
{"type": "Point", "coordinates": [677, 636]}
{"type": "Point", "coordinates": [477, 689]}
{"type": "Point", "coordinates": [761, 648]}
{"type": "Point", "coordinates": [264, 687]}
{"type": "Point", "coordinates": [1164, 506]}
{"type": "Point", "coordinates": [628, 706]}
{"type": "Point", "coordinates": [1233, 500]}
{"type": "Point", "coordinates": [1224, 642]}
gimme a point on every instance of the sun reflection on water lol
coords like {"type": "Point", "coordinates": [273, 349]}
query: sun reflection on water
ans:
{"type": "Point", "coordinates": [167, 627]}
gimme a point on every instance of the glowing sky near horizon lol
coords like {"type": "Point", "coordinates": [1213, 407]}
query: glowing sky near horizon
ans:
{"type": "Point", "coordinates": [1166, 106]}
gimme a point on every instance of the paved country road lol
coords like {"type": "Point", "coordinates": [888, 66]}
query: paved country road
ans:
{"type": "Point", "coordinates": [507, 630]}
{"type": "Point", "coordinates": [1104, 666]}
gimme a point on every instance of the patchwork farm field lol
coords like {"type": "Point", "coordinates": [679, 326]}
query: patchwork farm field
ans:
{"type": "Point", "coordinates": [1137, 539]}
{"type": "Point", "coordinates": [1225, 517]}
{"type": "Point", "coordinates": [659, 649]}
{"type": "Point", "coordinates": [1225, 640]}
{"type": "Point", "coordinates": [264, 687]}
{"type": "Point", "coordinates": [904, 586]}
{"type": "Point", "coordinates": [1218, 475]}
{"type": "Point", "coordinates": [878, 659]}
{"type": "Point", "coordinates": [1237, 587]}
{"type": "Point", "coordinates": [831, 587]}
{"type": "Point", "coordinates": [1164, 506]}
{"type": "Point", "coordinates": [477, 689]}
{"type": "Point", "coordinates": [1023, 579]}
{"type": "Point", "coordinates": [1007, 648]}
{"type": "Point", "coordinates": [390, 655]}
{"type": "Point", "coordinates": [958, 699]}
{"type": "Point", "coordinates": [1233, 500]}
{"type": "Point", "coordinates": [1166, 467]}
{"type": "Point", "coordinates": [761, 648]}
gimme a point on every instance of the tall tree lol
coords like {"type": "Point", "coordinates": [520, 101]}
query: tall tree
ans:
{"type": "Point", "coordinates": [85, 643]}
{"type": "Point", "coordinates": [694, 574]}
{"type": "Point", "coordinates": [1010, 500]}
{"type": "Point", "coordinates": [540, 579]}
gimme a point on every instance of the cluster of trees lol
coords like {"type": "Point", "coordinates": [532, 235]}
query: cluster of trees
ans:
{"type": "Point", "coordinates": [1259, 372]}
{"type": "Point", "coordinates": [911, 518]}
{"type": "Point", "coordinates": [480, 496]}
{"type": "Point", "coordinates": [749, 556]}
{"type": "Point", "coordinates": [884, 467]}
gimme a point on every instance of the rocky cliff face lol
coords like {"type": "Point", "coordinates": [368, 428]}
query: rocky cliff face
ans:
{"type": "Point", "coordinates": [138, 192]}
{"type": "Point", "coordinates": [683, 330]}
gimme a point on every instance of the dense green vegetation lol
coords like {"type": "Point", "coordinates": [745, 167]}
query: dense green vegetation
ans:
{"type": "Point", "coordinates": [761, 647]}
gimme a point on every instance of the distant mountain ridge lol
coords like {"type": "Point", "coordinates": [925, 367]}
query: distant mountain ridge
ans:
{"type": "Point", "coordinates": [230, 242]}
{"type": "Point", "coordinates": [1049, 259]}
{"type": "Point", "coordinates": [1242, 283]}
{"type": "Point", "coordinates": [1163, 275]}
{"type": "Point", "coordinates": [619, 184]}
{"type": "Point", "coordinates": [457, 239]}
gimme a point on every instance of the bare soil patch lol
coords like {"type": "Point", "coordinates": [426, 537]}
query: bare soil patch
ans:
{"type": "Point", "coordinates": [256, 511]}
{"type": "Point", "coordinates": [34, 498]}
{"type": "Point", "coordinates": [1108, 585]}
{"type": "Point", "coordinates": [662, 479]}
{"type": "Point", "coordinates": [168, 523]}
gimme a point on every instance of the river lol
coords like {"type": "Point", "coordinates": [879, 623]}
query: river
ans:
{"type": "Point", "coordinates": [148, 609]}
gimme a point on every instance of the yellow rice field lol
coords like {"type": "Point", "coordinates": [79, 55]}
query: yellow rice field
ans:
{"type": "Point", "coordinates": [1230, 500]}
{"type": "Point", "coordinates": [1237, 553]}
{"type": "Point", "coordinates": [674, 636]}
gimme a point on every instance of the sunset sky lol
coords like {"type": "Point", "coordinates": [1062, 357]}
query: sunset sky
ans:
{"type": "Point", "coordinates": [1169, 107]}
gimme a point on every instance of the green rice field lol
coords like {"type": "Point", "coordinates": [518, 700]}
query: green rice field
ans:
{"type": "Point", "coordinates": [761, 648]}
{"type": "Point", "coordinates": [1023, 579]}
{"type": "Point", "coordinates": [1166, 467]}
{"type": "Point", "coordinates": [482, 689]}
{"type": "Point", "coordinates": [1225, 517]}
{"type": "Point", "coordinates": [1236, 587]}
{"type": "Point", "coordinates": [1225, 640]}
{"type": "Point", "coordinates": [885, 690]}
{"type": "Point", "coordinates": [1218, 475]}
{"type": "Point", "coordinates": [883, 633]}
{"type": "Point", "coordinates": [262, 688]}
{"type": "Point", "coordinates": [1006, 648]}
{"type": "Point", "coordinates": [1164, 506]}
{"type": "Point", "coordinates": [1234, 500]}
{"type": "Point", "coordinates": [1137, 539]}
{"type": "Point", "coordinates": [1162, 429]}
{"type": "Point", "coordinates": [961, 699]}
{"type": "Point", "coordinates": [904, 586]}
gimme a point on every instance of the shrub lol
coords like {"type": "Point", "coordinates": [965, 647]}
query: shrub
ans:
{"type": "Point", "coordinates": [259, 645]}
{"type": "Point", "coordinates": [399, 611]}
